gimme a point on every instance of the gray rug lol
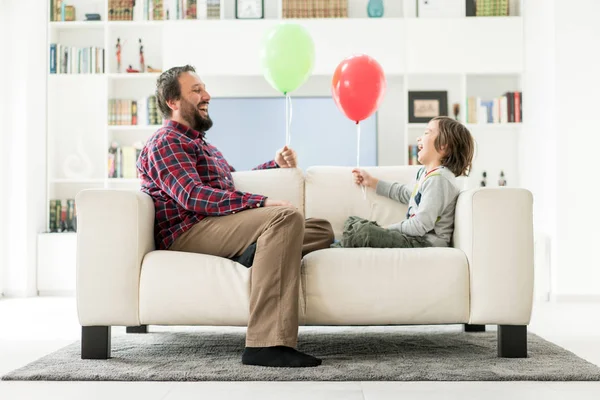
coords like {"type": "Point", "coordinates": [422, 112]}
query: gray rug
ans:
{"type": "Point", "coordinates": [391, 353]}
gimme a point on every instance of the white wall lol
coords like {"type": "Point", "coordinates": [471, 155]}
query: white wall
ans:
{"type": "Point", "coordinates": [24, 143]}
{"type": "Point", "coordinates": [3, 153]}
{"type": "Point", "coordinates": [538, 151]}
{"type": "Point", "coordinates": [561, 136]}
{"type": "Point", "coordinates": [577, 89]}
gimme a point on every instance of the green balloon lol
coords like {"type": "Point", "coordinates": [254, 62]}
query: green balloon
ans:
{"type": "Point", "coordinates": [287, 57]}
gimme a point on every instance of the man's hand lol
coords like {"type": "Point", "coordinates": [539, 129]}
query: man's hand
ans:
{"type": "Point", "coordinates": [286, 158]}
{"type": "Point", "coordinates": [275, 203]}
{"type": "Point", "coordinates": [362, 177]}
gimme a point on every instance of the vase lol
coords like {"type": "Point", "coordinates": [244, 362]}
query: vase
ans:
{"type": "Point", "coordinates": [79, 165]}
{"type": "Point", "coordinates": [375, 8]}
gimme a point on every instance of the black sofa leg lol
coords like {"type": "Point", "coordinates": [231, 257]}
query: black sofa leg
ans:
{"type": "Point", "coordinates": [95, 342]}
{"type": "Point", "coordinates": [474, 328]}
{"type": "Point", "coordinates": [137, 329]}
{"type": "Point", "coordinates": [512, 341]}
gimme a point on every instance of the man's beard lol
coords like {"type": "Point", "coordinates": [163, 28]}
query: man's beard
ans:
{"type": "Point", "coordinates": [191, 114]}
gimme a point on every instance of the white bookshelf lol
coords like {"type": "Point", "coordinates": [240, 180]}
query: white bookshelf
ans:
{"type": "Point", "coordinates": [465, 56]}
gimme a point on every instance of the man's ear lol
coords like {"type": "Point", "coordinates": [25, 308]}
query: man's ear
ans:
{"type": "Point", "coordinates": [173, 104]}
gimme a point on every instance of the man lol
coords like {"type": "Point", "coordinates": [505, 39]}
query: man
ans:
{"type": "Point", "coordinates": [198, 210]}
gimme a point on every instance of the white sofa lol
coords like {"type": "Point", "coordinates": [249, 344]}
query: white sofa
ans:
{"type": "Point", "coordinates": [485, 278]}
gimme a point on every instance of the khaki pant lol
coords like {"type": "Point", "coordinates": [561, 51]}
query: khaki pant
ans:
{"type": "Point", "coordinates": [283, 237]}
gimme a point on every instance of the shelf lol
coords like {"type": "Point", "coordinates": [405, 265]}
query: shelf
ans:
{"type": "Point", "coordinates": [77, 25]}
{"type": "Point", "coordinates": [136, 24]}
{"type": "Point", "coordinates": [80, 181]}
{"type": "Point", "coordinates": [494, 126]}
{"type": "Point", "coordinates": [79, 76]}
{"type": "Point", "coordinates": [133, 127]}
{"type": "Point", "coordinates": [476, 126]}
{"type": "Point", "coordinates": [372, 36]}
{"type": "Point", "coordinates": [135, 76]}
{"type": "Point", "coordinates": [124, 180]}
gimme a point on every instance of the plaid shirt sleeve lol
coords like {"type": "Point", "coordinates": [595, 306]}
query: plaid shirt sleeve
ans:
{"type": "Point", "coordinates": [268, 165]}
{"type": "Point", "coordinates": [172, 166]}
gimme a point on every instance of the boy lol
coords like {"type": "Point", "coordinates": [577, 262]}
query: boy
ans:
{"type": "Point", "coordinates": [446, 151]}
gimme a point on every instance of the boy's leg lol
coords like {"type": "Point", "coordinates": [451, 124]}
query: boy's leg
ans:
{"type": "Point", "coordinates": [359, 232]}
{"type": "Point", "coordinates": [275, 273]}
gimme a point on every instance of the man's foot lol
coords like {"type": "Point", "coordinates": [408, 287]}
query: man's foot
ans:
{"type": "Point", "coordinates": [278, 356]}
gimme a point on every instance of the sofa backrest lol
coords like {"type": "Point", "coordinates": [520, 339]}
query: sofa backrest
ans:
{"type": "Point", "coordinates": [329, 192]}
{"type": "Point", "coordinates": [279, 184]}
{"type": "Point", "coordinates": [332, 194]}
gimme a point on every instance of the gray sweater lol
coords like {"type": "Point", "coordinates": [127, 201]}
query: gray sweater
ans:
{"type": "Point", "coordinates": [431, 205]}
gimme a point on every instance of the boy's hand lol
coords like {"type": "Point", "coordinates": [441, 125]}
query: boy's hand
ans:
{"type": "Point", "coordinates": [362, 177]}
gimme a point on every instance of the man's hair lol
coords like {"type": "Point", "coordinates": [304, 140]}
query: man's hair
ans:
{"type": "Point", "coordinates": [459, 145]}
{"type": "Point", "coordinates": [168, 88]}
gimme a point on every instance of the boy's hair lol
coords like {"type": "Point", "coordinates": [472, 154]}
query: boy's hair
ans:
{"type": "Point", "coordinates": [168, 88]}
{"type": "Point", "coordinates": [459, 145]}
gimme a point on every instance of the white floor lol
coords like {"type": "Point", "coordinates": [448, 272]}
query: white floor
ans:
{"type": "Point", "coordinates": [31, 328]}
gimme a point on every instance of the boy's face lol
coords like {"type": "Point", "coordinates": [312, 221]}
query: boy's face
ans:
{"type": "Point", "coordinates": [426, 144]}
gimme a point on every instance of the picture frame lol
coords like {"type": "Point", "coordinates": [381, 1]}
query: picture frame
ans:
{"type": "Point", "coordinates": [249, 9]}
{"type": "Point", "coordinates": [425, 105]}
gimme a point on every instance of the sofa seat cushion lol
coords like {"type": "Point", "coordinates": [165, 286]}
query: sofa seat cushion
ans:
{"type": "Point", "coordinates": [179, 288]}
{"type": "Point", "coordinates": [365, 286]}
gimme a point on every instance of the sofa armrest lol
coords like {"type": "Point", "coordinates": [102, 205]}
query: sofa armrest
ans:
{"type": "Point", "coordinates": [494, 228]}
{"type": "Point", "coordinates": [115, 229]}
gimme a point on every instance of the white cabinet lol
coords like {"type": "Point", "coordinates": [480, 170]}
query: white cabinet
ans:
{"type": "Point", "coordinates": [56, 264]}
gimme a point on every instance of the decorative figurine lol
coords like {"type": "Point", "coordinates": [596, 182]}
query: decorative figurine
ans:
{"type": "Point", "coordinates": [456, 110]}
{"type": "Point", "coordinates": [142, 63]}
{"type": "Point", "coordinates": [131, 70]}
{"type": "Point", "coordinates": [501, 181]}
{"type": "Point", "coordinates": [150, 69]}
{"type": "Point", "coordinates": [118, 54]}
{"type": "Point", "coordinates": [484, 180]}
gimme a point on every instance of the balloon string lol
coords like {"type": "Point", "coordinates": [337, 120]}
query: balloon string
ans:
{"type": "Point", "coordinates": [288, 119]}
{"type": "Point", "coordinates": [364, 190]}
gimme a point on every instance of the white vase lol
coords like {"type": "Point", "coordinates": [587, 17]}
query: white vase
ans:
{"type": "Point", "coordinates": [78, 165]}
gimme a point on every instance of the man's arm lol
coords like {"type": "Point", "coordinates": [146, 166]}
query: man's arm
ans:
{"type": "Point", "coordinates": [436, 192]}
{"type": "Point", "coordinates": [268, 165]}
{"type": "Point", "coordinates": [395, 191]}
{"type": "Point", "coordinates": [172, 166]}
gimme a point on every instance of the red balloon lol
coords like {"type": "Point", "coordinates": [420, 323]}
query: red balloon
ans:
{"type": "Point", "coordinates": [358, 86]}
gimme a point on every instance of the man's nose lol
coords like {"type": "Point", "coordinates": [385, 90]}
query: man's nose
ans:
{"type": "Point", "coordinates": [205, 96]}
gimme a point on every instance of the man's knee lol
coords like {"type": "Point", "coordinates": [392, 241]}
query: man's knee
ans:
{"type": "Point", "coordinates": [290, 215]}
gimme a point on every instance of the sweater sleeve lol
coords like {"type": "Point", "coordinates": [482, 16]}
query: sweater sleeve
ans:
{"type": "Point", "coordinates": [394, 190]}
{"type": "Point", "coordinates": [436, 194]}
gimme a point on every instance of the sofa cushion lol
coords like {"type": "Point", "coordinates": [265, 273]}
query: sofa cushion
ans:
{"type": "Point", "coordinates": [181, 288]}
{"type": "Point", "coordinates": [385, 286]}
{"type": "Point", "coordinates": [332, 194]}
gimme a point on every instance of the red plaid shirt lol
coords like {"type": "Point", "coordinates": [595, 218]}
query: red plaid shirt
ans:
{"type": "Point", "coordinates": [188, 179]}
